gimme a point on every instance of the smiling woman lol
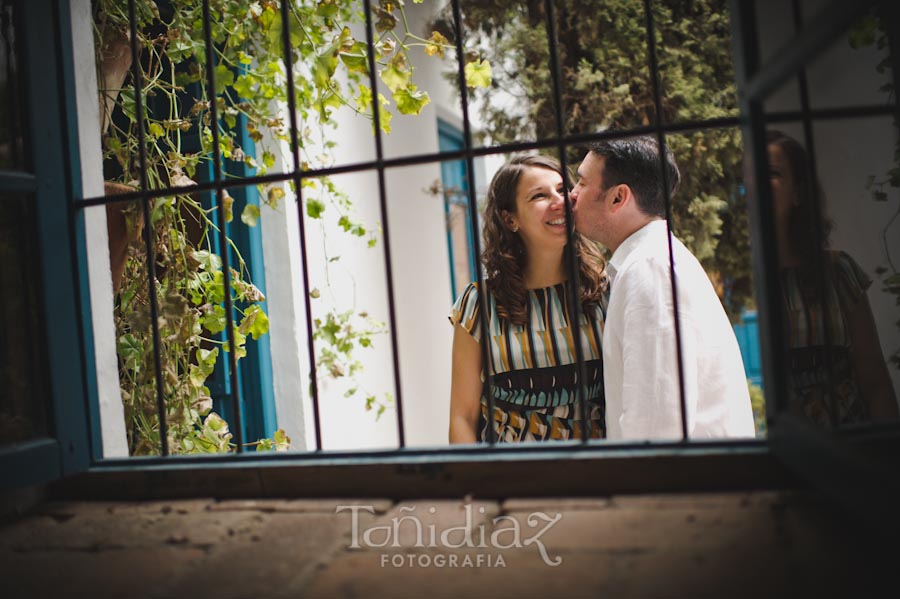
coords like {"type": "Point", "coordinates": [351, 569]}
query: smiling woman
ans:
{"type": "Point", "coordinates": [531, 349]}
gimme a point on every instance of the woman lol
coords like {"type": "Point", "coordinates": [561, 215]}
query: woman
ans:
{"type": "Point", "coordinates": [858, 383]}
{"type": "Point", "coordinates": [531, 349]}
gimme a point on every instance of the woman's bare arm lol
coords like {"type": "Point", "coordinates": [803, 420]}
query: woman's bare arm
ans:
{"type": "Point", "coordinates": [465, 387]}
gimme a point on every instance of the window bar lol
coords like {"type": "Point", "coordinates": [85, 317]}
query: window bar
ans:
{"type": "Point", "coordinates": [223, 238]}
{"type": "Point", "coordinates": [508, 148]}
{"type": "Point", "coordinates": [298, 190]}
{"type": "Point", "coordinates": [661, 140]}
{"type": "Point", "coordinates": [486, 358]}
{"type": "Point", "coordinates": [382, 198]}
{"type": "Point", "coordinates": [818, 233]}
{"type": "Point", "coordinates": [138, 83]}
{"type": "Point", "coordinates": [767, 281]}
{"type": "Point", "coordinates": [574, 284]}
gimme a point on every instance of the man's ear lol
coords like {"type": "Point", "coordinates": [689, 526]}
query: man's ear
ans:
{"type": "Point", "coordinates": [621, 197]}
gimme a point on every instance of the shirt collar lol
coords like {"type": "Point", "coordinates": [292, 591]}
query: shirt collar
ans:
{"type": "Point", "coordinates": [620, 257]}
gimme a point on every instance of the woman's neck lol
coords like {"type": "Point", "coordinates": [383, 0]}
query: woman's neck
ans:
{"type": "Point", "coordinates": [544, 269]}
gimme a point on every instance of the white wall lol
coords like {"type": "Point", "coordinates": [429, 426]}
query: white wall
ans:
{"type": "Point", "coordinates": [112, 416]}
{"type": "Point", "coordinates": [416, 225]}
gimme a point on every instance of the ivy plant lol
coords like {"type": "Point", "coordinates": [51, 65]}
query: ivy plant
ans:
{"type": "Point", "coordinates": [331, 70]}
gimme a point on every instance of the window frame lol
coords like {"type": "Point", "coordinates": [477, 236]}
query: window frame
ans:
{"type": "Point", "coordinates": [66, 334]}
{"type": "Point", "coordinates": [488, 471]}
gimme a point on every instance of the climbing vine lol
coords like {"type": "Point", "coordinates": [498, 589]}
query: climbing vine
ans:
{"type": "Point", "coordinates": [331, 70]}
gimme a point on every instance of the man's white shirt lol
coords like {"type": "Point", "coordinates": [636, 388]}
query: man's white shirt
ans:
{"type": "Point", "coordinates": [639, 347]}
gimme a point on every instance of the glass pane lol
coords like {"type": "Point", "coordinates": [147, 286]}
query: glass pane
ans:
{"type": "Point", "coordinates": [12, 150]}
{"type": "Point", "coordinates": [776, 27]}
{"type": "Point", "coordinates": [431, 248]}
{"type": "Point", "coordinates": [518, 105]}
{"type": "Point", "coordinates": [23, 391]}
{"type": "Point", "coordinates": [642, 341]}
{"type": "Point", "coordinates": [349, 305]}
{"type": "Point", "coordinates": [250, 95]}
{"type": "Point", "coordinates": [855, 70]}
{"type": "Point", "coordinates": [133, 322]}
{"type": "Point", "coordinates": [696, 69]}
{"type": "Point", "coordinates": [190, 294]}
{"type": "Point", "coordinates": [835, 214]}
{"type": "Point", "coordinates": [710, 218]}
{"type": "Point", "coordinates": [603, 58]}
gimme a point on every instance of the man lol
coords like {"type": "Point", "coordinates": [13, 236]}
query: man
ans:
{"type": "Point", "coordinates": [619, 201]}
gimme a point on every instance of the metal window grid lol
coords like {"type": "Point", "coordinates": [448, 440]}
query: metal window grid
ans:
{"type": "Point", "coordinates": [755, 83]}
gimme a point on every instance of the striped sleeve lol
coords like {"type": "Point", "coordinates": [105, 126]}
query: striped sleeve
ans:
{"type": "Point", "coordinates": [465, 311]}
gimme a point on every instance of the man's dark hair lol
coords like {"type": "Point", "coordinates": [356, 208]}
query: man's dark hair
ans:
{"type": "Point", "coordinates": [634, 161]}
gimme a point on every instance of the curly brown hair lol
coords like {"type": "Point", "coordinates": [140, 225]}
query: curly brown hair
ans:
{"type": "Point", "coordinates": [504, 252]}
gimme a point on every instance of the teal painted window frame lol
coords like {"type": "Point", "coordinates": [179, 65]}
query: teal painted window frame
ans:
{"type": "Point", "coordinates": [48, 76]}
{"type": "Point", "coordinates": [453, 174]}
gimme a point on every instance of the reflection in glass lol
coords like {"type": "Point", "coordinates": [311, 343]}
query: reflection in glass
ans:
{"type": "Point", "coordinates": [855, 69]}
{"type": "Point", "coordinates": [838, 374]}
{"type": "Point", "coordinates": [22, 362]}
{"type": "Point", "coordinates": [777, 28]}
{"type": "Point", "coordinates": [12, 154]}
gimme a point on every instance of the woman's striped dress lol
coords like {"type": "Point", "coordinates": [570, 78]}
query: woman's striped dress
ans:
{"type": "Point", "coordinates": [534, 366]}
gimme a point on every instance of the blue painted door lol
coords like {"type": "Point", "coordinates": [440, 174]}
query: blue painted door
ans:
{"type": "Point", "coordinates": [460, 232]}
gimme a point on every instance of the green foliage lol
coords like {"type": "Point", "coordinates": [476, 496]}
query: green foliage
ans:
{"type": "Point", "coordinates": [606, 85]}
{"type": "Point", "coordinates": [758, 403]}
{"type": "Point", "coordinates": [339, 335]}
{"type": "Point", "coordinates": [330, 66]}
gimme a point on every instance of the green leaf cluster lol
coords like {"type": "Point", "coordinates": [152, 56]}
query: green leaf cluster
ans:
{"type": "Point", "coordinates": [338, 336]}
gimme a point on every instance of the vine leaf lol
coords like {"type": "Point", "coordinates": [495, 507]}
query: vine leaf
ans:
{"type": "Point", "coordinates": [395, 79]}
{"type": "Point", "coordinates": [436, 44]}
{"type": "Point", "coordinates": [410, 100]}
{"type": "Point", "coordinates": [250, 214]}
{"type": "Point", "coordinates": [478, 73]}
{"type": "Point", "coordinates": [224, 78]}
